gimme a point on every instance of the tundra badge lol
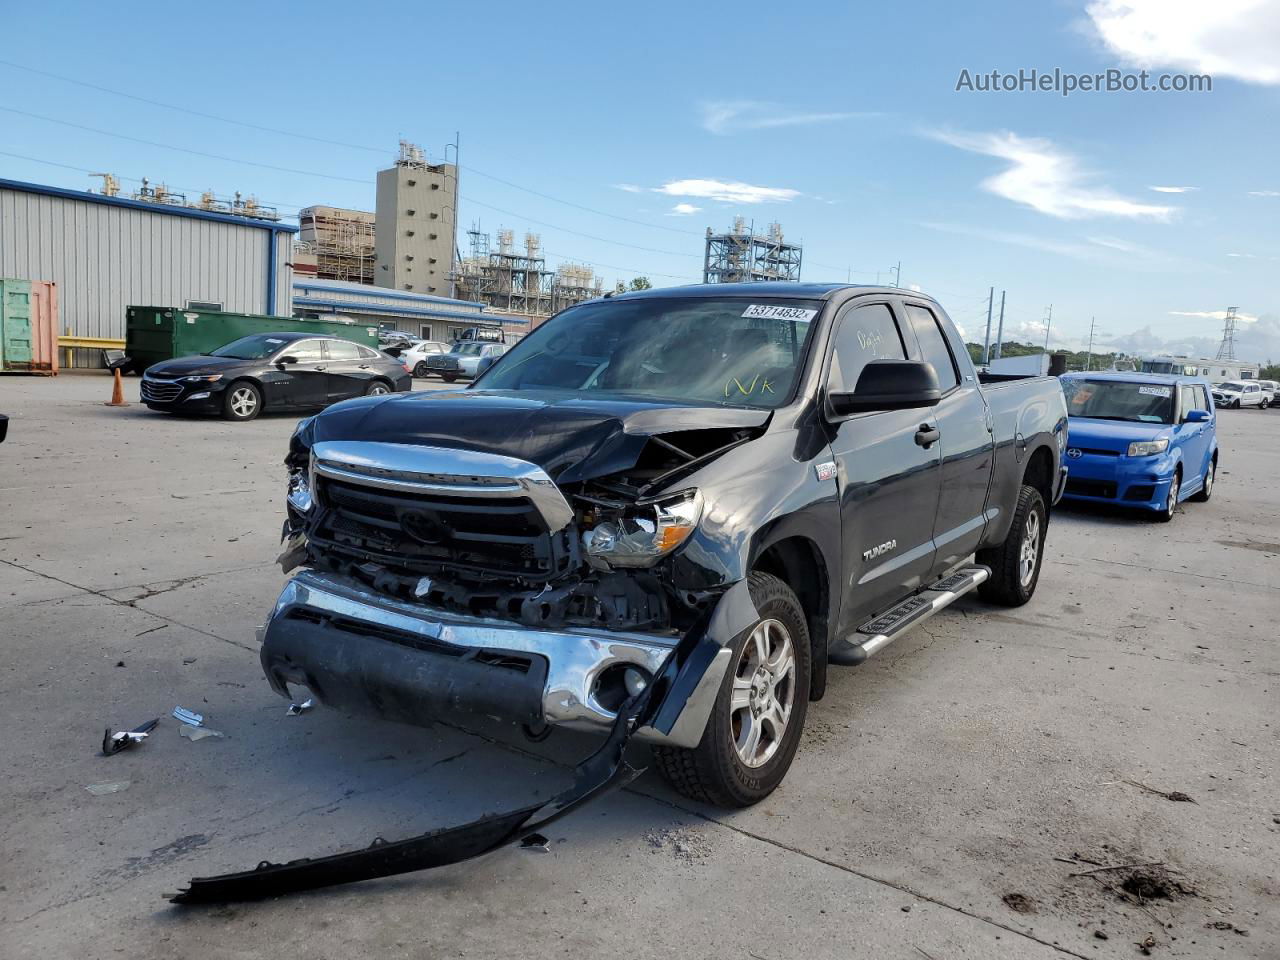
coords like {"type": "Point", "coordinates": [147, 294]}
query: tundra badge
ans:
{"type": "Point", "coordinates": [880, 550]}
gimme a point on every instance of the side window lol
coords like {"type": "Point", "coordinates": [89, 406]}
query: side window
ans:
{"type": "Point", "coordinates": [307, 351]}
{"type": "Point", "coordinates": [865, 334]}
{"type": "Point", "coordinates": [1186, 400]}
{"type": "Point", "coordinates": [368, 353]}
{"type": "Point", "coordinates": [934, 346]}
{"type": "Point", "coordinates": [1205, 403]}
{"type": "Point", "coordinates": [343, 350]}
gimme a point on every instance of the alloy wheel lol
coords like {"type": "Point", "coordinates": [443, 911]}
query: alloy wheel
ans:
{"type": "Point", "coordinates": [1172, 503]}
{"type": "Point", "coordinates": [244, 401]}
{"type": "Point", "coordinates": [1030, 549]}
{"type": "Point", "coordinates": [763, 693]}
{"type": "Point", "coordinates": [378, 390]}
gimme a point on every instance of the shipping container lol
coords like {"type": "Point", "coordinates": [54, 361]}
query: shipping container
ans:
{"type": "Point", "coordinates": [28, 327]}
{"type": "Point", "coordinates": [153, 334]}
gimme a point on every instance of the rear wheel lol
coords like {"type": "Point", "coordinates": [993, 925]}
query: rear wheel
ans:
{"type": "Point", "coordinates": [378, 388]}
{"type": "Point", "coordinates": [242, 402]}
{"type": "Point", "coordinates": [1206, 490]}
{"type": "Point", "coordinates": [420, 371]}
{"type": "Point", "coordinates": [1015, 563]}
{"type": "Point", "coordinates": [755, 726]}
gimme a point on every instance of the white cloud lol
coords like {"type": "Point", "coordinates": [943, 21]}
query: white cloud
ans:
{"type": "Point", "coordinates": [1173, 189]}
{"type": "Point", "coordinates": [1223, 38]}
{"type": "Point", "coordinates": [629, 187]}
{"type": "Point", "coordinates": [683, 210]}
{"type": "Point", "coordinates": [1124, 246]}
{"type": "Point", "coordinates": [1264, 193]}
{"type": "Point", "coordinates": [1258, 342]}
{"type": "Point", "coordinates": [1047, 179]}
{"type": "Point", "coordinates": [727, 192]}
{"type": "Point", "coordinates": [1213, 315]}
{"type": "Point", "coordinates": [723, 117]}
{"type": "Point", "coordinates": [1032, 241]}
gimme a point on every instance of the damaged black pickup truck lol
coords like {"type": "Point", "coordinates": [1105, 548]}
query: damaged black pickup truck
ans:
{"type": "Point", "coordinates": [797, 473]}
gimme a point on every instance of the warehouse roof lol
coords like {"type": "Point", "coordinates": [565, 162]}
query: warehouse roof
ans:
{"type": "Point", "coordinates": [369, 290]}
{"type": "Point", "coordinates": [160, 208]}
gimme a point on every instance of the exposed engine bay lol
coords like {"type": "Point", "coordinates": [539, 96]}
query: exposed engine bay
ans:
{"type": "Point", "coordinates": [499, 556]}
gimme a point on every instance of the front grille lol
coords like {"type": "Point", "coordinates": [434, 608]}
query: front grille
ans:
{"type": "Point", "coordinates": [443, 363]}
{"type": "Point", "coordinates": [1140, 491]}
{"type": "Point", "coordinates": [1098, 452]}
{"type": "Point", "coordinates": [159, 392]}
{"type": "Point", "coordinates": [1091, 488]}
{"type": "Point", "coordinates": [418, 532]}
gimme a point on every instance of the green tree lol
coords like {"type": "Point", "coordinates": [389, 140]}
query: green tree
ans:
{"type": "Point", "coordinates": [641, 283]}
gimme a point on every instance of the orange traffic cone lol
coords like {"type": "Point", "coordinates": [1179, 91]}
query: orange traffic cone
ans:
{"type": "Point", "coordinates": [117, 391]}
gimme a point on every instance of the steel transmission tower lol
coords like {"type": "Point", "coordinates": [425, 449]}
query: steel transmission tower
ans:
{"type": "Point", "coordinates": [1227, 348]}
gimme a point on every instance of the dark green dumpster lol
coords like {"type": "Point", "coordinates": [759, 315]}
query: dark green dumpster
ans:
{"type": "Point", "coordinates": [153, 334]}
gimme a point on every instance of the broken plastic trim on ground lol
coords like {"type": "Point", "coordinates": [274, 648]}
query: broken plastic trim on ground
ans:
{"type": "Point", "coordinates": [658, 706]}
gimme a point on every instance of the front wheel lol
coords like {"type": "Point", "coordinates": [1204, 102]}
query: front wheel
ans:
{"type": "Point", "coordinates": [243, 402]}
{"type": "Point", "coordinates": [420, 371]}
{"type": "Point", "coordinates": [1015, 563]}
{"type": "Point", "coordinates": [758, 717]}
{"type": "Point", "coordinates": [1165, 514]}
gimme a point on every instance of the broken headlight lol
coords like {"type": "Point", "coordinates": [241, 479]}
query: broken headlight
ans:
{"type": "Point", "coordinates": [645, 533]}
{"type": "Point", "coordinates": [299, 463]}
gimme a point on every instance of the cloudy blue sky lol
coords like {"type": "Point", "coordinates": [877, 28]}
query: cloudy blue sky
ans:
{"type": "Point", "coordinates": [621, 134]}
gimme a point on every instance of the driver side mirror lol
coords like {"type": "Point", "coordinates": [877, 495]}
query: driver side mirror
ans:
{"type": "Point", "coordinates": [889, 385]}
{"type": "Point", "coordinates": [1196, 416]}
{"type": "Point", "coordinates": [286, 359]}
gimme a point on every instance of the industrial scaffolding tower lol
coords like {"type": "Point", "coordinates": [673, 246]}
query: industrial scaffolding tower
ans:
{"type": "Point", "coordinates": [743, 256]}
{"type": "Point", "coordinates": [519, 282]}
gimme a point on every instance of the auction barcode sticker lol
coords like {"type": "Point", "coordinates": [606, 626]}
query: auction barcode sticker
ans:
{"type": "Point", "coordinates": [766, 311]}
{"type": "Point", "coordinates": [1156, 391]}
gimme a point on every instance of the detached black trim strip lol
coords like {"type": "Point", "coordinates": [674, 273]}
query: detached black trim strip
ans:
{"type": "Point", "coordinates": [597, 775]}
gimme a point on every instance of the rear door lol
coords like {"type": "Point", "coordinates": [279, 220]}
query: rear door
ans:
{"type": "Point", "coordinates": [888, 481]}
{"type": "Point", "coordinates": [966, 442]}
{"type": "Point", "coordinates": [349, 372]}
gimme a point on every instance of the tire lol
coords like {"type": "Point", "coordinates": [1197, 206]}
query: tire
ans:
{"type": "Point", "coordinates": [378, 388]}
{"type": "Point", "coordinates": [1015, 563]}
{"type": "Point", "coordinates": [241, 402]}
{"type": "Point", "coordinates": [420, 371]}
{"type": "Point", "coordinates": [715, 771]}
{"type": "Point", "coordinates": [1264, 404]}
{"type": "Point", "coordinates": [1171, 501]}
{"type": "Point", "coordinates": [449, 377]}
{"type": "Point", "coordinates": [1235, 404]}
{"type": "Point", "coordinates": [1206, 490]}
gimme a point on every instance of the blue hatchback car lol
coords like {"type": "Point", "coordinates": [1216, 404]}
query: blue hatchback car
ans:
{"type": "Point", "coordinates": [1140, 440]}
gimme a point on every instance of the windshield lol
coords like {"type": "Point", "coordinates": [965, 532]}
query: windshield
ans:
{"type": "Point", "coordinates": [1117, 400]}
{"type": "Point", "coordinates": [1233, 385]}
{"type": "Point", "coordinates": [732, 351]}
{"type": "Point", "coordinates": [251, 348]}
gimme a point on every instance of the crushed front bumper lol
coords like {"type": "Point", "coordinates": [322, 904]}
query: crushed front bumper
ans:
{"type": "Point", "coordinates": [358, 649]}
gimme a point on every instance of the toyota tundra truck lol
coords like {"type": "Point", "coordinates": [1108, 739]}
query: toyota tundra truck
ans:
{"type": "Point", "coordinates": [793, 474]}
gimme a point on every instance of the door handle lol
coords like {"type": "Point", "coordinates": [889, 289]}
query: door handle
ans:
{"type": "Point", "coordinates": [364, 366]}
{"type": "Point", "coordinates": [927, 436]}
{"type": "Point", "coordinates": [320, 369]}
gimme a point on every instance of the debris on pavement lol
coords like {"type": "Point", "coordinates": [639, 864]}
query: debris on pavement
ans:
{"type": "Point", "coordinates": [1145, 945]}
{"type": "Point", "coordinates": [1019, 903]}
{"type": "Point", "coordinates": [536, 842]}
{"type": "Point", "coordinates": [198, 733]}
{"type": "Point", "coordinates": [1177, 796]}
{"type": "Point", "coordinates": [296, 709]}
{"type": "Point", "coordinates": [111, 786]}
{"type": "Point", "coordinates": [188, 716]}
{"type": "Point", "coordinates": [113, 743]}
{"type": "Point", "coordinates": [1226, 925]}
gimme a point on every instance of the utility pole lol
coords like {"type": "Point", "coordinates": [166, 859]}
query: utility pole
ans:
{"type": "Point", "coordinates": [1048, 325]}
{"type": "Point", "coordinates": [986, 340]}
{"type": "Point", "coordinates": [897, 274]}
{"type": "Point", "coordinates": [457, 178]}
{"type": "Point", "coordinates": [1000, 330]}
{"type": "Point", "coordinates": [1088, 357]}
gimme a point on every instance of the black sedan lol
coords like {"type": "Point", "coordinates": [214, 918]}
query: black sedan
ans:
{"type": "Point", "coordinates": [271, 371]}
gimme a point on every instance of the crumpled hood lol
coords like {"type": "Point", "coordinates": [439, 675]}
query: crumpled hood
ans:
{"type": "Point", "coordinates": [1112, 434]}
{"type": "Point", "coordinates": [571, 437]}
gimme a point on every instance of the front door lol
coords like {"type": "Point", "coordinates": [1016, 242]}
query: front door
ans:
{"type": "Point", "coordinates": [349, 372]}
{"type": "Point", "coordinates": [966, 443]}
{"type": "Point", "coordinates": [1193, 438]}
{"type": "Point", "coordinates": [888, 480]}
{"type": "Point", "coordinates": [304, 383]}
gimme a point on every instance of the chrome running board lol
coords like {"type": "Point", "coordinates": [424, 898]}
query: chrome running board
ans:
{"type": "Point", "coordinates": [874, 635]}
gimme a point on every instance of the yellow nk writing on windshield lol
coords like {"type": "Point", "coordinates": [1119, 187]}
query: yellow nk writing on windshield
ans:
{"type": "Point", "coordinates": [758, 386]}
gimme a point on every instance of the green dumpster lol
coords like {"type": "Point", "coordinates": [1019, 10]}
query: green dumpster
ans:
{"type": "Point", "coordinates": [153, 334]}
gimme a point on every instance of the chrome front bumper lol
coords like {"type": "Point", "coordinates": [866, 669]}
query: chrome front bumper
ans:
{"type": "Point", "coordinates": [384, 646]}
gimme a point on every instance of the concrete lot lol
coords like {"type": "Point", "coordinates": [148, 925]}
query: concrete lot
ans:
{"type": "Point", "coordinates": [937, 795]}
